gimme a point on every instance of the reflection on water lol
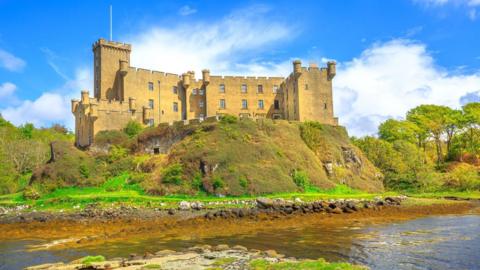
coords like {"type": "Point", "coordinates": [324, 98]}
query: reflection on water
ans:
{"type": "Point", "coordinates": [446, 242]}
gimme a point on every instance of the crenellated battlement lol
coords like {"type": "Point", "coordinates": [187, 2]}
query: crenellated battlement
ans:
{"type": "Point", "coordinates": [124, 93]}
{"type": "Point", "coordinates": [111, 44]}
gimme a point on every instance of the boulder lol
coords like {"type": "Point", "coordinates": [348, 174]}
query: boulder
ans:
{"type": "Point", "coordinates": [184, 205]}
{"type": "Point", "coordinates": [265, 203]}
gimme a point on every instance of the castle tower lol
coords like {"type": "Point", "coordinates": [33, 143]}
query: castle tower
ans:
{"type": "Point", "coordinates": [111, 62]}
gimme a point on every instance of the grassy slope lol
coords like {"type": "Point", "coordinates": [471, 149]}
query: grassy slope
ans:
{"type": "Point", "coordinates": [265, 154]}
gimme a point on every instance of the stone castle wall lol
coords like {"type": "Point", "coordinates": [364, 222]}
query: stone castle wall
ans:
{"type": "Point", "coordinates": [123, 93]}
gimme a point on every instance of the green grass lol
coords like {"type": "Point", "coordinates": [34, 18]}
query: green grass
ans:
{"type": "Point", "coordinates": [92, 259]}
{"type": "Point", "coordinates": [223, 261]}
{"type": "Point", "coordinates": [152, 266]}
{"type": "Point", "coordinates": [443, 194]}
{"type": "Point", "coordinates": [118, 191]}
{"type": "Point", "coordinates": [320, 264]}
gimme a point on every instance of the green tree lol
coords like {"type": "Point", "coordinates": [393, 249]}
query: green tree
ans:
{"type": "Point", "coordinates": [393, 130]}
{"type": "Point", "coordinates": [471, 137]}
{"type": "Point", "coordinates": [433, 120]}
{"type": "Point", "coordinates": [27, 130]}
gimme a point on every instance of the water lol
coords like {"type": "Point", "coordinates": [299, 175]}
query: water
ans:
{"type": "Point", "coordinates": [443, 242]}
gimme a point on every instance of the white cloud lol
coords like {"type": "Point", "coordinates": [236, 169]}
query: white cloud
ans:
{"type": "Point", "coordinates": [225, 47]}
{"type": "Point", "coordinates": [10, 61]}
{"type": "Point", "coordinates": [472, 14]}
{"type": "Point", "coordinates": [186, 10]}
{"type": "Point", "coordinates": [52, 106]}
{"type": "Point", "coordinates": [469, 5]}
{"type": "Point", "coordinates": [7, 89]}
{"type": "Point", "coordinates": [390, 78]}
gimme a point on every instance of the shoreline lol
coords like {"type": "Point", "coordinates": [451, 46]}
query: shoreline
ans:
{"type": "Point", "coordinates": [200, 257]}
{"type": "Point", "coordinates": [65, 231]}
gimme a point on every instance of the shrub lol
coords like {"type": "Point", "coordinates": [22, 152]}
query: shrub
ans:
{"type": "Point", "coordinates": [218, 183]}
{"type": "Point", "coordinates": [31, 193]}
{"type": "Point", "coordinates": [84, 171]}
{"type": "Point", "coordinates": [301, 179]}
{"type": "Point", "coordinates": [463, 177]}
{"type": "Point", "coordinates": [121, 166]}
{"type": "Point", "coordinates": [197, 183]}
{"type": "Point", "coordinates": [173, 174]}
{"type": "Point", "coordinates": [27, 130]}
{"type": "Point", "coordinates": [228, 119]}
{"type": "Point", "coordinates": [243, 182]}
{"type": "Point", "coordinates": [133, 128]}
{"type": "Point", "coordinates": [111, 137]}
{"type": "Point", "coordinates": [117, 153]}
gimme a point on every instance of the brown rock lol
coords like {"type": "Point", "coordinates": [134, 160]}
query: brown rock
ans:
{"type": "Point", "coordinates": [221, 247]}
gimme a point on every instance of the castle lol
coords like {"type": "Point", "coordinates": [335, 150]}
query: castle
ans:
{"type": "Point", "coordinates": [123, 93]}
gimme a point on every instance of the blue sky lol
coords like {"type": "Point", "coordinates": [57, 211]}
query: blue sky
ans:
{"type": "Point", "coordinates": [392, 55]}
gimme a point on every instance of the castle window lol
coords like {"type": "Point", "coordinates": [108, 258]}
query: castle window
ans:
{"type": "Point", "coordinates": [244, 104]}
{"type": "Point", "coordinates": [175, 106]}
{"type": "Point", "coordinates": [260, 104]}
{"type": "Point", "coordinates": [150, 103]}
{"type": "Point", "coordinates": [174, 90]}
{"type": "Point", "coordinates": [221, 88]}
{"type": "Point", "coordinates": [260, 89]}
{"type": "Point", "coordinates": [194, 91]}
{"type": "Point", "coordinates": [276, 104]}
{"type": "Point", "coordinates": [201, 104]}
{"type": "Point", "coordinates": [244, 88]}
{"type": "Point", "coordinates": [325, 106]}
{"type": "Point", "coordinates": [201, 92]}
{"type": "Point", "coordinates": [306, 86]}
{"type": "Point", "coordinates": [275, 89]}
{"type": "Point", "coordinates": [150, 86]}
{"type": "Point", "coordinates": [221, 104]}
{"type": "Point", "coordinates": [150, 122]}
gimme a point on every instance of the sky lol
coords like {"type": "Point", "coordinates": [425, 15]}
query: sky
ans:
{"type": "Point", "coordinates": [391, 55]}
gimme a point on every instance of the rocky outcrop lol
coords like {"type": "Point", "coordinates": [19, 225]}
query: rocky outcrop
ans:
{"type": "Point", "coordinates": [197, 257]}
{"type": "Point", "coordinates": [281, 207]}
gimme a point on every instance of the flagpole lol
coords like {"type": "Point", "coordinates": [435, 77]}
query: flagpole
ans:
{"type": "Point", "coordinates": [111, 34]}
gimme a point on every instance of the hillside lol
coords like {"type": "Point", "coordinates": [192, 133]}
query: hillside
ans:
{"type": "Point", "coordinates": [238, 157]}
{"type": "Point", "coordinates": [228, 157]}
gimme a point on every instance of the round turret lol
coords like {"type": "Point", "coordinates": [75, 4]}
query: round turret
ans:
{"type": "Point", "coordinates": [206, 76]}
{"type": "Point", "coordinates": [123, 67]}
{"type": "Point", "coordinates": [186, 79]}
{"type": "Point", "coordinates": [331, 68]}
{"type": "Point", "coordinates": [297, 67]}
{"type": "Point", "coordinates": [85, 97]}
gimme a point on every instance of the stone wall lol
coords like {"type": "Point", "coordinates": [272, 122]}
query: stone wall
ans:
{"type": "Point", "coordinates": [123, 93]}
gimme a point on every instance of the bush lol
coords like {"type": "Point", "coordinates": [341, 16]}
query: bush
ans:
{"type": "Point", "coordinates": [301, 179]}
{"type": "Point", "coordinates": [218, 183]}
{"type": "Point", "coordinates": [133, 128]}
{"type": "Point", "coordinates": [117, 153]}
{"type": "Point", "coordinates": [228, 119]}
{"type": "Point", "coordinates": [111, 137]}
{"type": "Point", "coordinates": [197, 183]}
{"type": "Point", "coordinates": [121, 166]}
{"type": "Point", "coordinates": [463, 177]}
{"type": "Point", "coordinates": [31, 193]}
{"type": "Point", "coordinates": [84, 171]}
{"type": "Point", "coordinates": [173, 174]}
{"type": "Point", "coordinates": [243, 182]}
